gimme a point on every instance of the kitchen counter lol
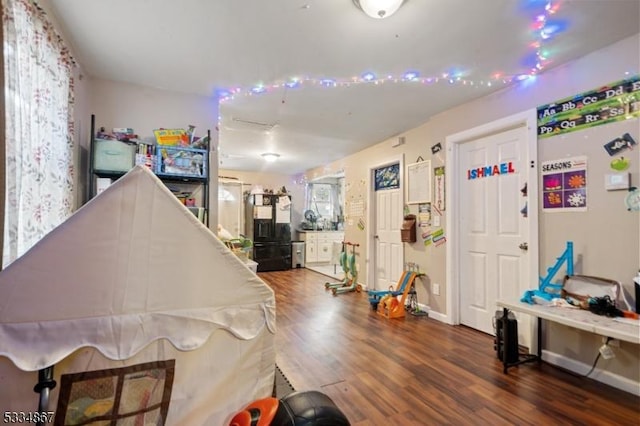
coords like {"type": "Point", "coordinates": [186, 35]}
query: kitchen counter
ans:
{"type": "Point", "coordinates": [319, 244]}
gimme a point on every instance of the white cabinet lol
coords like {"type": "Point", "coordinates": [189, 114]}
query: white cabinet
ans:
{"type": "Point", "coordinates": [311, 252]}
{"type": "Point", "coordinates": [319, 245]}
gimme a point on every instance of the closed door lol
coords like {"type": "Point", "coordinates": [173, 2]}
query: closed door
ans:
{"type": "Point", "coordinates": [389, 254]}
{"type": "Point", "coordinates": [493, 231]}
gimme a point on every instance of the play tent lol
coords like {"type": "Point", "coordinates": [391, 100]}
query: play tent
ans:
{"type": "Point", "coordinates": [141, 310]}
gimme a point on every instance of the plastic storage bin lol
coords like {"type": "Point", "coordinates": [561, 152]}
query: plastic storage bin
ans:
{"type": "Point", "coordinates": [181, 162]}
{"type": "Point", "coordinates": [113, 156]}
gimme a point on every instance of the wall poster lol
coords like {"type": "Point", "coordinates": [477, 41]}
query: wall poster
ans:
{"type": "Point", "coordinates": [387, 177]}
{"type": "Point", "coordinates": [614, 102]}
{"type": "Point", "coordinates": [424, 215]}
{"type": "Point", "coordinates": [438, 189]}
{"type": "Point", "coordinates": [564, 184]}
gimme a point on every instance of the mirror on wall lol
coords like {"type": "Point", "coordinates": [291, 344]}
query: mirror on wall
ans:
{"type": "Point", "coordinates": [324, 204]}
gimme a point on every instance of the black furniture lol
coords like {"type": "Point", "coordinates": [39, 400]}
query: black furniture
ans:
{"type": "Point", "coordinates": [176, 180]}
{"type": "Point", "coordinates": [268, 224]}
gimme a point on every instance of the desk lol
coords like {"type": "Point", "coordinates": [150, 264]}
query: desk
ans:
{"type": "Point", "coordinates": [617, 328]}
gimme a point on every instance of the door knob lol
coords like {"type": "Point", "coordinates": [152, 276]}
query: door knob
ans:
{"type": "Point", "coordinates": [524, 246]}
{"type": "Point", "coordinates": [376, 237]}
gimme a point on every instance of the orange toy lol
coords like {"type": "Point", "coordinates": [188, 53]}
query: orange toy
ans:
{"type": "Point", "coordinates": [386, 301]}
{"type": "Point", "coordinates": [258, 413]}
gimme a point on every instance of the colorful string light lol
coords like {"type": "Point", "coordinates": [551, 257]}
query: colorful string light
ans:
{"type": "Point", "coordinates": [543, 27]}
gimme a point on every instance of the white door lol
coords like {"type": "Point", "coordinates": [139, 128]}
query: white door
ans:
{"type": "Point", "coordinates": [389, 254]}
{"type": "Point", "coordinates": [493, 261]}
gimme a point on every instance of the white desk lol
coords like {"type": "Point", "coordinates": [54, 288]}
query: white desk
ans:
{"type": "Point", "coordinates": [617, 328]}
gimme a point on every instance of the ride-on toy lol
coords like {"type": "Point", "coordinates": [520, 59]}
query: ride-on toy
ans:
{"type": "Point", "coordinates": [350, 281]}
{"type": "Point", "coordinates": [386, 302]}
{"type": "Point", "coordinates": [345, 268]}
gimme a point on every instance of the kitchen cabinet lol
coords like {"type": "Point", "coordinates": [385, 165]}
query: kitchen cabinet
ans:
{"type": "Point", "coordinates": [319, 245]}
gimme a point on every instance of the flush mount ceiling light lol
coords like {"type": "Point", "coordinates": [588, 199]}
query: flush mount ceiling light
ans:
{"type": "Point", "coordinates": [270, 156]}
{"type": "Point", "coordinates": [379, 9]}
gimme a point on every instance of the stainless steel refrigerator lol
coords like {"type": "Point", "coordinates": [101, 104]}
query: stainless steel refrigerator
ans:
{"type": "Point", "coordinates": [268, 224]}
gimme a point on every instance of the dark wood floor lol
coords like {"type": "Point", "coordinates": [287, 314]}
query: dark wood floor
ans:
{"type": "Point", "coordinates": [418, 371]}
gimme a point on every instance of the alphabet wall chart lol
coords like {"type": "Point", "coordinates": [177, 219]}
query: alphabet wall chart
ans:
{"type": "Point", "coordinates": [614, 102]}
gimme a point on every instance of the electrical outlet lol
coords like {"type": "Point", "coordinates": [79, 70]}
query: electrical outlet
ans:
{"type": "Point", "coordinates": [607, 352]}
{"type": "Point", "coordinates": [436, 289]}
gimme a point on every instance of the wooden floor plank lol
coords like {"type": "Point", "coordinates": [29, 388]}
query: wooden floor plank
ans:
{"type": "Point", "coordinates": [419, 371]}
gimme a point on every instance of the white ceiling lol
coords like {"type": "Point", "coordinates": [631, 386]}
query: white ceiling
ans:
{"type": "Point", "coordinates": [209, 46]}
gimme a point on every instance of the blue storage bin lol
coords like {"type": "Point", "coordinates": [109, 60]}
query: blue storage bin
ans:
{"type": "Point", "coordinates": [181, 162]}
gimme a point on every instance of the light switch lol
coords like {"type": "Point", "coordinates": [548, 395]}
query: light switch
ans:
{"type": "Point", "coordinates": [616, 181]}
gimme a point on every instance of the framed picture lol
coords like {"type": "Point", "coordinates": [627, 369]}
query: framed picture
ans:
{"type": "Point", "coordinates": [419, 182]}
{"type": "Point", "coordinates": [387, 177]}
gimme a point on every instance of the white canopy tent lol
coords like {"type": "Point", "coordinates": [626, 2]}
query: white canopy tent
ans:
{"type": "Point", "coordinates": [133, 277]}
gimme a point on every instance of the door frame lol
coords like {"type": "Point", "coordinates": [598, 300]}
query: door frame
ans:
{"type": "Point", "coordinates": [453, 179]}
{"type": "Point", "coordinates": [371, 214]}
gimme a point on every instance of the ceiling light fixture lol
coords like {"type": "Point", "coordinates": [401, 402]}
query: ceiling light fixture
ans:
{"type": "Point", "coordinates": [379, 9]}
{"type": "Point", "coordinates": [270, 156]}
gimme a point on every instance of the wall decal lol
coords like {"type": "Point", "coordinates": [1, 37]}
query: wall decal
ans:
{"type": "Point", "coordinates": [564, 184]}
{"type": "Point", "coordinates": [438, 189]}
{"type": "Point", "coordinates": [438, 237]}
{"type": "Point", "coordinates": [426, 236]}
{"type": "Point", "coordinates": [619, 144]}
{"type": "Point", "coordinates": [492, 170]}
{"type": "Point", "coordinates": [614, 102]}
{"type": "Point", "coordinates": [620, 164]}
{"type": "Point", "coordinates": [436, 148]}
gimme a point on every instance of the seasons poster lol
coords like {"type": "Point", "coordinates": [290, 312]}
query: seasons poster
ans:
{"type": "Point", "coordinates": [564, 184]}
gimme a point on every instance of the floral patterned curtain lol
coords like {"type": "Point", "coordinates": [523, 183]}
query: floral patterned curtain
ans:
{"type": "Point", "coordinates": [39, 127]}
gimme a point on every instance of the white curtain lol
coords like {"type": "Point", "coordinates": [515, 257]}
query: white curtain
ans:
{"type": "Point", "coordinates": [39, 127]}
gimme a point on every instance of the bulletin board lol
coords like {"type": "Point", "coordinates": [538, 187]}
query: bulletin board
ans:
{"type": "Point", "coordinates": [419, 182]}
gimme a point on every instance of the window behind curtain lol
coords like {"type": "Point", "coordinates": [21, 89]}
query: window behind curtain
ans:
{"type": "Point", "coordinates": [38, 86]}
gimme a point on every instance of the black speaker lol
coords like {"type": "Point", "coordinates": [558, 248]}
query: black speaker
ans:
{"type": "Point", "coordinates": [636, 284]}
{"type": "Point", "coordinates": [509, 327]}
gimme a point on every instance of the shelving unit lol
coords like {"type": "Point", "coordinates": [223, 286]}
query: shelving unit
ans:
{"type": "Point", "coordinates": [167, 178]}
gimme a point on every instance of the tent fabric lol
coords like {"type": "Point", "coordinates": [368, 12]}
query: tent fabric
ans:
{"type": "Point", "coordinates": [132, 270]}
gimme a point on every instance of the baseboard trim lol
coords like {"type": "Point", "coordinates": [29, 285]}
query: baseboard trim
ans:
{"type": "Point", "coordinates": [438, 316]}
{"type": "Point", "coordinates": [598, 374]}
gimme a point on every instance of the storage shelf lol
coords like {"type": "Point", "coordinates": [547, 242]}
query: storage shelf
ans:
{"type": "Point", "coordinates": [166, 178]}
{"type": "Point", "coordinates": [181, 179]}
{"type": "Point", "coordinates": [109, 174]}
